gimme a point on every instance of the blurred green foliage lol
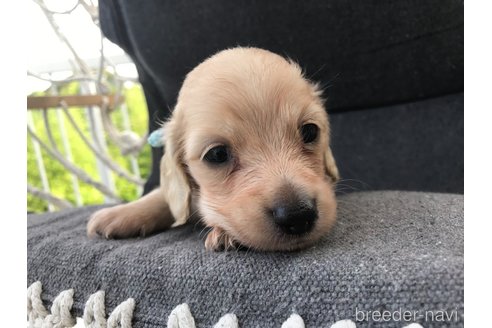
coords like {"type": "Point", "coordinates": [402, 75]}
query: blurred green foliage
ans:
{"type": "Point", "coordinates": [59, 178]}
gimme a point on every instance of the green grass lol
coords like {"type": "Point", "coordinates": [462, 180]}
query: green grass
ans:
{"type": "Point", "coordinates": [59, 178]}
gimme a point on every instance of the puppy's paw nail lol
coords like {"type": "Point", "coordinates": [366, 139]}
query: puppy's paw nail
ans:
{"type": "Point", "coordinates": [98, 224]}
{"type": "Point", "coordinates": [218, 240]}
{"type": "Point", "coordinates": [91, 229]}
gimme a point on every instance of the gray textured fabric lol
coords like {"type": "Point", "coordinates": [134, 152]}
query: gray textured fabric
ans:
{"type": "Point", "coordinates": [388, 251]}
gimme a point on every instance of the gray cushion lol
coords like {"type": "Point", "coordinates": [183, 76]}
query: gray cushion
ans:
{"type": "Point", "coordinates": [388, 251]}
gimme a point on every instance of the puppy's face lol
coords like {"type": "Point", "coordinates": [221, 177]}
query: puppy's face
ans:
{"type": "Point", "coordinates": [254, 138]}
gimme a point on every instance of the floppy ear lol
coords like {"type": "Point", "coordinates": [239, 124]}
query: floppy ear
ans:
{"type": "Point", "coordinates": [330, 166]}
{"type": "Point", "coordinates": [174, 181]}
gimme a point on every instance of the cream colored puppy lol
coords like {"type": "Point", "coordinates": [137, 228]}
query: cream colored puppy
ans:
{"type": "Point", "coordinates": [248, 147]}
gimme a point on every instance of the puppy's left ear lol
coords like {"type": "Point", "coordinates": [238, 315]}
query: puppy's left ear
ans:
{"type": "Point", "coordinates": [330, 165]}
{"type": "Point", "coordinates": [331, 169]}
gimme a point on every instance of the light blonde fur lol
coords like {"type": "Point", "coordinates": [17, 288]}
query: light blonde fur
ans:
{"type": "Point", "coordinates": [254, 102]}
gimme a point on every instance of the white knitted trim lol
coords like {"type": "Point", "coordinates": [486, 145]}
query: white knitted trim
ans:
{"type": "Point", "coordinates": [60, 316]}
{"type": "Point", "coordinates": [294, 321]}
{"type": "Point", "coordinates": [344, 324]}
{"type": "Point", "coordinates": [121, 317]}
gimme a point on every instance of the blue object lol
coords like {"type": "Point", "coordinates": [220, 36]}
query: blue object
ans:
{"type": "Point", "coordinates": [156, 138]}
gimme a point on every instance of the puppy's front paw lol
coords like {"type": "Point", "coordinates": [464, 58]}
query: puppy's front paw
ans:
{"type": "Point", "coordinates": [112, 222]}
{"type": "Point", "coordinates": [218, 240]}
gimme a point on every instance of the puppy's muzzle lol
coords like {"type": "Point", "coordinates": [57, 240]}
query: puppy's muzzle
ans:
{"type": "Point", "coordinates": [295, 218]}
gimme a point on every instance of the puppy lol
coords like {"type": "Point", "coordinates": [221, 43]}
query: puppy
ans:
{"type": "Point", "coordinates": [247, 147]}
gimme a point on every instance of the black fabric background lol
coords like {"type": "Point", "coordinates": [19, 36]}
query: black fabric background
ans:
{"type": "Point", "coordinates": [366, 54]}
{"type": "Point", "coordinates": [410, 146]}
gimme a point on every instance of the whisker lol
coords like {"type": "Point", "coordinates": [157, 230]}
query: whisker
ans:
{"type": "Point", "coordinates": [362, 183]}
{"type": "Point", "coordinates": [206, 230]}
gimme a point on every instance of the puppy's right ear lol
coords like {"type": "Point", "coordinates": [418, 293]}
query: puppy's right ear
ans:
{"type": "Point", "coordinates": [175, 183]}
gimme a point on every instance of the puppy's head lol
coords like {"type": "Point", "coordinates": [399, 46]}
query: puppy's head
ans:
{"type": "Point", "coordinates": [250, 135]}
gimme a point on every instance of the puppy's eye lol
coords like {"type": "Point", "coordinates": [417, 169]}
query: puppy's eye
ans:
{"type": "Point", "coordinates": [309, 132]}
{"type": "Point", "coordinates": [217, 155]}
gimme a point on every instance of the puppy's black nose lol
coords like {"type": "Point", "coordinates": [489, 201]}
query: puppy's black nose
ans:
{"type": "Point", "coordinates": [295, 218]}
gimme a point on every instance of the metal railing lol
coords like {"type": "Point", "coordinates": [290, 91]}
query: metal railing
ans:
{"type": "Point", "coordinates": [99, 94]}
